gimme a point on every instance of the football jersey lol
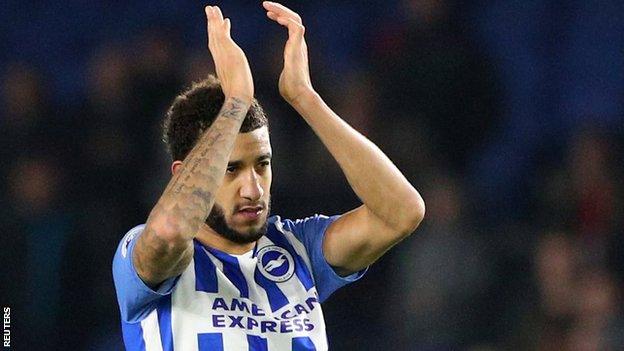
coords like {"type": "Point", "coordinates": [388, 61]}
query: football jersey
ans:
{"type": "Point", "coordinates": [266, 299]}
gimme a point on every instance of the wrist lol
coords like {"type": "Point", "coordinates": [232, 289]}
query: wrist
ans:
{"type": "Point", "coordinates": [235, 107]}
{"type": "Point", "coordinates": [238, 99]}
{"type": "Point", "coordinates": [303, 100]}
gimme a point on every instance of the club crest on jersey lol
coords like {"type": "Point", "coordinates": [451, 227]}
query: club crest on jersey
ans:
{"type": "Point", "coordinates": [275, 263]}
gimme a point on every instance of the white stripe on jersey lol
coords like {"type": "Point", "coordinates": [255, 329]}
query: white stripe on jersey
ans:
{"type": "Point", "coordinates": [182, 300]}
{"type": "Point", "coordinates": [151, 332]}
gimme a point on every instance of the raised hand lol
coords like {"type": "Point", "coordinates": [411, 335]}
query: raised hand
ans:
{"type": "Point", "coordinates": [230, 61]}
{"type": "Point", "coordinates": [294, 80]}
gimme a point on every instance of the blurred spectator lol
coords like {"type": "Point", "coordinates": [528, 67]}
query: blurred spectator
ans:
{"type": "Point", "coordinates": [598, 323]}
{"type": "Point", "coordinates": [550, 312]}
{"type": "Point", "coordinates": [23, 98]}
{"type": "Point", "coordinates": [25, 112]}
{"type": "Point", "coordinates": [429, 74]}
{"type": "Point", "coordinates": [583, 193]}
{"type": "Point", "coordinates": [155, 78]}
{"type": "Point", "coordinates": [441, 277]}
{"type": "Point", "coordinates": [576, 306]}
{"type": "Point", "coordinates": [562, 66]}
{"type": "Point", "coordinates": [595, 190]}
{"type": "Point", "coordinates": [39, 248]}
{"type": "Point", "coordinates": [108, 149]}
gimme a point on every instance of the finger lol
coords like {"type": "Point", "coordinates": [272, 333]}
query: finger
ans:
{"type": "Point", "coordinates": [227, 27]}
{"type": "Point", "coordinates": [272, 15]}
{"type": "Point", "coordinates": [222, 28]}
{"type": "Point", "coordinates": [208, 10]}
{"type": "Point", "coordinates": [281, 10]}
{"type": "Point", "coordinates": [213, 29]}
{"type": "Point", "coordinates": [218, 14]}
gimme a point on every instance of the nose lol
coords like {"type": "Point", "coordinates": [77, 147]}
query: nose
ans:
{"type": "Point", "coordinates": [251, 188]}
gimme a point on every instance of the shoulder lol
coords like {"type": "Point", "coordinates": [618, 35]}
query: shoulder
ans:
{"type": "Point", "coordinates": [316, 221]}
{"type": "Point", "coordinates": [308, 231]}
{"type": "Point", "coordinates": [127, 239]}
{"type": "Point", "coordinates": [134, 297]}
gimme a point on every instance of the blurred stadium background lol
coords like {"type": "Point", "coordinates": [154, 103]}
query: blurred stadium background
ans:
{"type": "Point", "coordinates": [507, 116]}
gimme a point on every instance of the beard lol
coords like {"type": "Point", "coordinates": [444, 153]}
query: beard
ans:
{"type": "Point", "coordinates": [216, 221]}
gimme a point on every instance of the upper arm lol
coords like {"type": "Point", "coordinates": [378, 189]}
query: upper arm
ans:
{"type": "Point", "coordinates": [135, 298]}
{"type": "Point", "coordinates": [311, 233]}
{"type": "Point", "coordinates": [357, 239]}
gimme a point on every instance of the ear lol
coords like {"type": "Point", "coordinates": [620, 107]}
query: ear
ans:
{"type": "Point", "coordinates": [175, 167]}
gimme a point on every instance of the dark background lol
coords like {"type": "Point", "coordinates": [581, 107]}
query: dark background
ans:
{"type": "Point", "coordinates": [506, 115]}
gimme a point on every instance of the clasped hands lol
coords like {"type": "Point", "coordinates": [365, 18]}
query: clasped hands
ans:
{"type": "Point", "coordinates": [231, 64]}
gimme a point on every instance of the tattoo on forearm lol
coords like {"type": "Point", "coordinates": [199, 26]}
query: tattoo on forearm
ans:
{"type": "Point", "coordinates": [235, 108]}
{"type": "Point", "coordinates": [195, 162]}
{"type": "Point", "coordinates": [205, 165]}
{"type": "Point", "coordinates": [203, 195]}
{"type": "Point", "coordinates": [189, 196]}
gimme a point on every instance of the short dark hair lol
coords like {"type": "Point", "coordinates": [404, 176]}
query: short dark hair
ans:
{"type": "Point", "coordinates": [193, 112]}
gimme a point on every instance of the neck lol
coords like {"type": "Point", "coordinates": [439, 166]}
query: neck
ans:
{"type": "Point", "coordinates": [207, 236]}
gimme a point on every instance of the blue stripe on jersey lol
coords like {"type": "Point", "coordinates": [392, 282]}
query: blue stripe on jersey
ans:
{"type": "Point", "coordinates": [255, 250]}
{"type": "Point", "coordinates": [302, 343]}
{"type": "Point", "coordinates": [133, 336]}
{"type": "Point", "coordinates": [277, 299]}
{"type": "Point", "coordinates": [205, 271]}
{"type": "Point", "coordinates": [164, 323]}
{"type": "Point", "coordinates": [257, 343]}
{"type": "Point", "coordinates": [210, 342]}
{"type": "Point", "coordinates": [301, 270]}
{"type": "Point", "coordinates": [232, 271]}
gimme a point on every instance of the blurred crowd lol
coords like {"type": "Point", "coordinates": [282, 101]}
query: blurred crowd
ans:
{"type": "Point", "coordinates": [521, 247]}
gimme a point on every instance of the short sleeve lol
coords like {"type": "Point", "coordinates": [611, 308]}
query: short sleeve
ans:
{"type": "Point", "coordinates": [136, 299]}
{"type": "Point", "coordinates": [311, 232]}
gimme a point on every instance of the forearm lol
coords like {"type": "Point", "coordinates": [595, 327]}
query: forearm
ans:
{"type": "Point", "coordinates": [189, 197]}
{"type": "Point", "coordinates": [371, 174]}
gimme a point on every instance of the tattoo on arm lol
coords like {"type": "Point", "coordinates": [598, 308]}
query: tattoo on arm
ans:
{"type": "Point", "coordinates": [235, 108]}
{"type": "Point", "coordinates": [189, 196]}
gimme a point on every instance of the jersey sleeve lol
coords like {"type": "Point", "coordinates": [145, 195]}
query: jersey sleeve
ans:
{"type": "Point", "coordinates": [136, 300]}
{"type": "Point", "coordinates": [311, 232]}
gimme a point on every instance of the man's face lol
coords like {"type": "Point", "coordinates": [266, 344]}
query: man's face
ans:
{"type": "Point", "coordinates": [242, 203]}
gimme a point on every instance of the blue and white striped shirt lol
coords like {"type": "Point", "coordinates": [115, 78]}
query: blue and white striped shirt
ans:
{"type": "Point", "coordinates": [266, 299]}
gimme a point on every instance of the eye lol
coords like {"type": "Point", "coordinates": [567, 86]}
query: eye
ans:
{"type": "Point", "coordinates": [231, 169]}
{"type": "Point", "coordinates": [262, 166]}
